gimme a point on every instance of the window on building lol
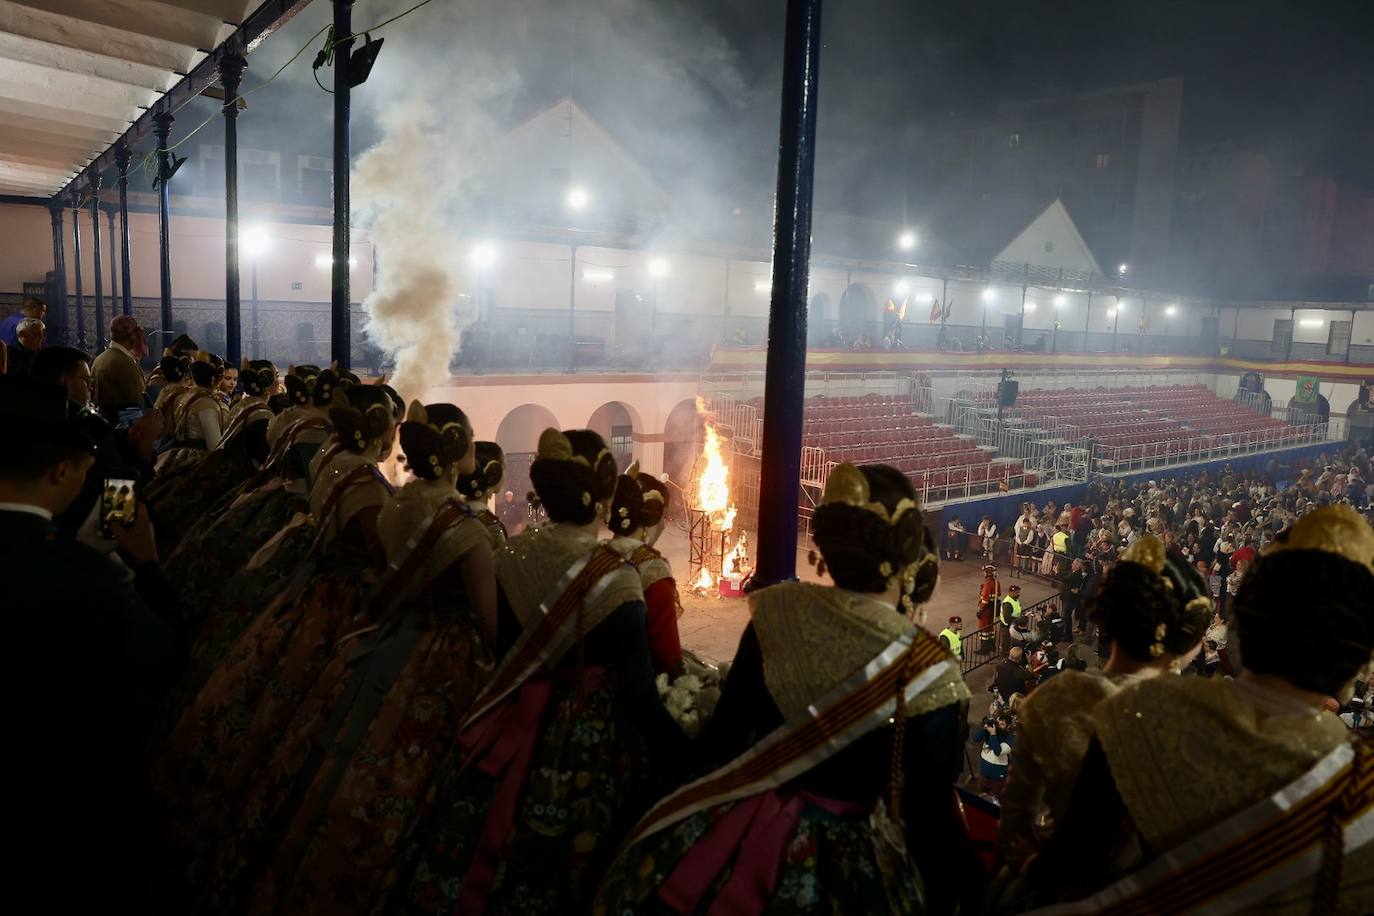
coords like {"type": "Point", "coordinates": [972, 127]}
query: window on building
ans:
{"type": "Point", "coordinates": [622, 444]}
{"type": "Point", "coordinates": [260, 174]}
{"type": "Point", "coordinates": [315, 178]}
{"type": "Point", "coordinates": [1338, 342]}
{"type": "Point", "coordinates": [1103, 160]}
{"type": "Point", "coordinates": [1013, 141]}
{"type": "Point", "coordinates": [1283, 335]}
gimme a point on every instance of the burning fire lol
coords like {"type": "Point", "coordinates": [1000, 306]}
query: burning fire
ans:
{"type": "Point", "coordinates": [713, 488]}
{"type": "Point", "coordinates": [713, 498]}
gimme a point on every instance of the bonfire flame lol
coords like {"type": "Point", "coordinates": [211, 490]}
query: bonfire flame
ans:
{"type": "Point", "coordinates": [713, 498]}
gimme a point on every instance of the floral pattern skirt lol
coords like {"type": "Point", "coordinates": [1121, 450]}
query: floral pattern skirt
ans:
{"type": "Point", "coordinates": [833, 864]}
{"type": "Point", "coordinates": [326, 819]}
{"type": "Point", "coordinates": [588, 783]}
{"type": "Point", "coordinates": [226, 735]}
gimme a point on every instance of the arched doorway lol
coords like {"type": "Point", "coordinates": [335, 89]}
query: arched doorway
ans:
{"type": "Point", "coordinates": [683, 435]}
{"type": "Point", "coordinates": [819, 322]}
{"type": "Point", "coordinates": [858, 309]}
{"type": "Point", "coordinates": [616, 422]}
{"type": "Point", "coordinates": [518, 436]}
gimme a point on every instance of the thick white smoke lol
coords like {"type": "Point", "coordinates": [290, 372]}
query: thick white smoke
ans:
{"type": "Point", "coordinates": [414, 312]}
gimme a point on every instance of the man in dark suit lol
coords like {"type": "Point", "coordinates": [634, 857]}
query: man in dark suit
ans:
{"type": "Point", "coordinates": [94, 644]}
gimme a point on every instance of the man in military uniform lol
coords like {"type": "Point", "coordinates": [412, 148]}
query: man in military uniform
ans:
{"type": "Point", "coordinates": [94, 644]}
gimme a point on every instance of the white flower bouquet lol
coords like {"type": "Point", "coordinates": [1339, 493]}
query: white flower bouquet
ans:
{"type": "Point", "coordinates": [691, 697]}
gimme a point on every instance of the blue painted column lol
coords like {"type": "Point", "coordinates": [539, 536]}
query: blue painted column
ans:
{"type": "Point", "coordinates": [340, 327]}
{"type": "Point", "coordinates": [163, 131]}
{"type": "Point", "coordinates": [76, 267]}
{"type": "Point", "coordinates": [95, 265]}
{"type": "Point", "coordinates": [231, 72]}
{"type": "Point", "coordinates": [57, 311]}
{"type": "Point", "coordinates": [122, 159]}
{"type": "Point", "coordinates": [785, 376]}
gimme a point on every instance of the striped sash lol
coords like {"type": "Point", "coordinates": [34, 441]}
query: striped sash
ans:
{"type": "Point", "coordinates": [394, 584]}
{"type": "Point", "coordinates": [864, 701]}
{"type": "Point", "coordinates": [240, 421]}
{"type": "Point", "coordinates": [542, 642]}
{"type": "Point", "coordinates": [1250, 856]}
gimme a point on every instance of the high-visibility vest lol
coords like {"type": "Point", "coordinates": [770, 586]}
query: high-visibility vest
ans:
{"type": "Point", "coordinates": [1015, 606]}
{"type": "Point", "coordinates": [1061, 542]}
{"type": "Point", "coordinates": [955, 643]}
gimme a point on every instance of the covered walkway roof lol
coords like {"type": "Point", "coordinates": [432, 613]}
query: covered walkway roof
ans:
{"type": "Point", "coordinates": [76, 76]}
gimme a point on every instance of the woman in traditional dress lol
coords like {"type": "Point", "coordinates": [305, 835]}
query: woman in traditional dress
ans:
{"type": "Point", "coordinates": [1155, 610]}
{"type": "Point", "coordinates": [478, 486]}
{"type": "Point", "coordinates": [352, 773]}
{"type": "Point", "coordinates": [226, 733]}
{"type": "Point", "coordinates": [1244, 794]}
{"type": "Point", "coordinates": [300, 386]}
{"type": "Point", "coordinates": [197, 418]}
{"type": "Point", "coordinates": [180, 502]}
{"type": "Point", "coordinates": [209, 566]}
{"type": "Point", "coordinates": [808, 812]}
{"type": "Point", "coordinates": [561, 751]}
{"type": "Point", "coordinates": [636, 521]}
{"type": "Point", "coordinates": [174, 369]}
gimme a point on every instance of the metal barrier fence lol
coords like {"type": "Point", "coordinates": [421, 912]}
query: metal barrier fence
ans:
{"type": "Point", "coordinates": [980, 647]}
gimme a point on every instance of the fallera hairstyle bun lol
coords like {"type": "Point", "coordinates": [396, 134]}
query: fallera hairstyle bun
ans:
{"type": "Point", "coordinates": [279, 402]}
{"type": "Point", "coordinates": [174, 366]}
{"type": "Point", "coordinates": [203, 372]}
{"type": "Point", "coordinates": [572, 473]}
{"type": "Point", "coordinates": [361, 415]}
{"type": "Point", "coordinates": [299, 381]}
{"type": "Point", "coordinates": [639, 502]}
{"type": "Point", "coordinates": [183, 344]}
{"type": "Point", "coordinates": [398, 406]}
{"type": "Point", "coordinates": [868, 527]}
{"type": "Point", "coordinates": [326, 383]}
{"type": "Point", "coordinates": [1152, 603]}
{"type": "Point", "coordinates": [1324, 565]}
{"type": "Point", "coordinates": [257, 376]}
{"type": "Point", "coordinates": [491, 469]}
{"type": "Point", "coordinates": [434, 437]}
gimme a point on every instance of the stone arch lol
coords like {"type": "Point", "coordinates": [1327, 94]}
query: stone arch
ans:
{"type": "Point", "coordinates": [683, 434]}
{"type": "Point", "coordinates": [858, 309]}
{"type": "Point", "coordinates": [617, 422]}
{"type": "Point", "coordinates": [819, 320]}
{"type": "Point", "coordinates": [518, 436]}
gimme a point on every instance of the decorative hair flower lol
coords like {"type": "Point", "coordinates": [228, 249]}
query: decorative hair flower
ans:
{"type": "Point", "coordinates": [586, 498]}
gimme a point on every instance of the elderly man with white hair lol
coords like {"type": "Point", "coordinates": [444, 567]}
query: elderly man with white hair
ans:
{"type": "Point", "coordinates": [29, 336]}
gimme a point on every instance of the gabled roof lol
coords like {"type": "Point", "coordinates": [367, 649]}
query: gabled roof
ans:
{"type": "Point", "coordinates": [976, 229]}
{"type": "Point", "coordinates": [75, 74]}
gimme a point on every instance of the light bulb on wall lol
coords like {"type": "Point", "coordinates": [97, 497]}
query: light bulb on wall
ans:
{"type": "Point", "coordinates": [901, 287]}
{"type": "Point", "coordinates": [1060, 301]}
{"type": "Point", "coordinates": [989, 295]}
{"type": "Point", "coordinates": [578, 198]}
{"type": "Point", "coordinates": [658, 268]}
{"type": "Point", "coordinates": [484, 254]}
{"type": "Point", "coordinates": [907, 240]}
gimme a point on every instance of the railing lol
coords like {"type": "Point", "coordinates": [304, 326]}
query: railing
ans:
{"type": "Point", "coordinates": [980, 647]}
{"type": "Point", "coordinates": [1200, 448]}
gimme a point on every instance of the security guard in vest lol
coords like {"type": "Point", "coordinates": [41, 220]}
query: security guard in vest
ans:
{"type": "Point", "coordinates": [950, 637]}
{"type": "Point", "coordinates": [1007, 611]}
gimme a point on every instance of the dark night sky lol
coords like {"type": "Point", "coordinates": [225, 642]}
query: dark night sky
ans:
{"type": "Point", "coordinates": [691, 86]}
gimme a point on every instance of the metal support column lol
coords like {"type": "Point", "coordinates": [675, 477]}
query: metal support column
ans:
{"type": "Point", "coordinates": [57, 311]}
{"type": "Point", "coordinates": [231, 66]}
{"type": "Point", "coordinates": [1116, 322]}
{"type": "Point", "coordinates": [114, 285]}
{"type": "Point", "coordinates": [1087, 320]}
{"type": "Point", "coordinates": [122, 158]}
{"type": "Point", "coordinates": [785, 375]}
{"type": "Point", "coordinates": [163, 128]}
{"type": "Point", "coordinates": [1021, 330]}
{"type": "Point", "coordinates": [572, 309]}
{"type": "Point", "coordinates": [725, 308]}
{"type": "Point", "coordinates": [76, 265]}
{"type": "Point", "coordinates": [1287, 353]}
{"type": "Point", "coordinates": [340, 327]}
{"type": "Point", "coordinates": [95, 264]}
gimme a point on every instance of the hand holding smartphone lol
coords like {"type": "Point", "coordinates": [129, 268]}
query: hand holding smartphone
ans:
{"type": "Point", "coordinates": [118, 504]}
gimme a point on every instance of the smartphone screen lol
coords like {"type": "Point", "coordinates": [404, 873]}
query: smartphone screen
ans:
{"type": "Point", "coordinates": [118, 503]}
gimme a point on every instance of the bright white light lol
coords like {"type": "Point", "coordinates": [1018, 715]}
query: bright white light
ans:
{"type": "Point", "coordinates": [989, 295]}
{"type": "Point", "coordinates": [1171, 310]}
{"type": "Point", "coordinates": [484, 254]}
{"type": "Point", "coordinates": [1060, 301]}
{"type": "Point", "coordinates": [253, 241]}
{"type": "Point", "coordinates": [901, 287]}
{"type": "Point", "coordinates": [325, 261]}
{"type": "Point", "coordinates": [1311, 322]}
{"type": "Point", "coordinates": [763, 286]}
{"type": "Point", "coordinates": [907, 240]}
{"type": "Point", "coordinates": [1030, 307]}
{"type": "Point", "coordinates": [1112, 309]}
{"type": "Point", "coordinates": [598, 276]}
{"type": "Point", "coordinates": [1122, 269]}
{"type": "Point", "coordinates": [658, 268]}
{"type": "Point", "coordinates": [578, 198]}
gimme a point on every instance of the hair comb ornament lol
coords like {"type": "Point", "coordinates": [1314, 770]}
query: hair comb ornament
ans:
{"type": "Point", "coordinates": [847, 485]}
{"type": "Point", "coordinates": [554, 446]}
{"type": "Point", "coordinates": [1148, 552]}
{"type": "Point", "coordinates": [1335, 529]}
{"type": "Point", "coordinates": [417, 413]}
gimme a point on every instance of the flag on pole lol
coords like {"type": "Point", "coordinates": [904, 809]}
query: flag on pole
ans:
{"type": "Point", "coordinates": [935, 312]}
{"type": "Point", "coordinates": [949, 306]}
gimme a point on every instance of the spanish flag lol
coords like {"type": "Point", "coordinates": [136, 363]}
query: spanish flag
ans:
{"type": "Point", "coordinates": [935, 311]}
